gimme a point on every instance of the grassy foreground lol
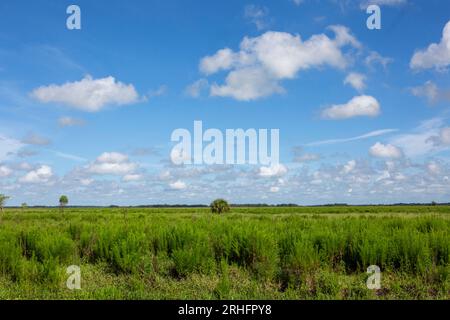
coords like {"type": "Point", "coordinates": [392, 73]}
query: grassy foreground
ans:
{"type": "Point", "coordinates": [251, 253]}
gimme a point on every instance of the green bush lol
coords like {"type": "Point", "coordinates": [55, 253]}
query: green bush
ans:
{"type": "Point", "coordinates": [220, 206]}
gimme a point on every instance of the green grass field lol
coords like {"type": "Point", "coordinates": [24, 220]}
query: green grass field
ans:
{"type": "Point", "coordinates": [250, 253]}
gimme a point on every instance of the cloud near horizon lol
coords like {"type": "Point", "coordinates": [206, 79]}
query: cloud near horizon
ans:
{"type": "Point", "coordinates": [112, 163]}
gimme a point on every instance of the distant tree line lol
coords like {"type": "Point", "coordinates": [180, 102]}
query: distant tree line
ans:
{"type": "Point", "coordinates": [217, 204]}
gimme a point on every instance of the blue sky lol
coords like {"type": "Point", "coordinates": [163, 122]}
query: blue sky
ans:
{"type": "Point", "coordinates": [362, 114]}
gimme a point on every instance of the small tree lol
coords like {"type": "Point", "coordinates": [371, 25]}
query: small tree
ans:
{"type": "Point", "coordinates": [63, 201]}
{"type": "Point", "coordinates": [24, 206]}
{"type": "Point", "coordinates": [219, 206]}
{"type": "Point", "coordinates": [3, 199]}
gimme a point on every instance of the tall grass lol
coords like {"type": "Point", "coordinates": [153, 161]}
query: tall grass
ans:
{"type": "Point", "coordinates": [287, 249]}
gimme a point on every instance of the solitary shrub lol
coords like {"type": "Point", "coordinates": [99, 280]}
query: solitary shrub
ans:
{"type": "Point", "coordinates": [220, 206]}
{"type": "Point", "coordinates": [63, 201]}
{"type": "Point", "coordinates": [3, 199]}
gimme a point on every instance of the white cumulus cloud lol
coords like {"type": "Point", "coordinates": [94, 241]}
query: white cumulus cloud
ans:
{"type": "Point", "coordinates": [358, 106]}
{"type": "Point", "coordinates": [436, 56]}
{"type": "Point", "coordinates": [255, 71]}
{"type": "Point", "coordinates": [222, 60]}
{"type": "Point", "coordinates": [273, 171]}
{"type": "Point", "coordinates": [349, 167]}
{"type": "Point", "coordinates": [40, 175]}
{"type": "Point", "coordinates": [112, 163]}
{"type": "Point", "coordinates": [247, 84]}
{"type": "Point", "coordinates": [380, 150]}
{"type": "Point", "coordinates": [88, 94]}
{"type": "Point", "coordinates": [5, 171]}
{"type": "Point", "coordinates": [274, 189]}
{"type": "Point", "coordinates": [178, 185]}
{"type": "Point", "coordinates": [132, 177]}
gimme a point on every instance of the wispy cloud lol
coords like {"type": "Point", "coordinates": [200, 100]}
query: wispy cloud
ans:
{"type": "Point", "coordinates": [371, 134]}
{"type": "Point", "coordinates": [8, 146]}
{"type": "Point", "coordinates": [70, 122]}
{"type": "Point", "coordinates": [160, 91]}
{"type": "Point", "coordinates": [390, 3]}
{"type": "Point", "coordinates": [431, 92]}
{"type": "Point", "coordinates": [429, 138]}
{"type": "Point", "coordinates": [257, 15]}
{"type": "Point", "coordinates": [195, 89]}
{"type": "Point", "coordinates": [35, 139]}
{"type": "Point", "coordinates": [67, 156]}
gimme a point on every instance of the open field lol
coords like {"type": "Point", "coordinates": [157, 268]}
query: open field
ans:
{"type": "Point", "coordinates": [250, 253]}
